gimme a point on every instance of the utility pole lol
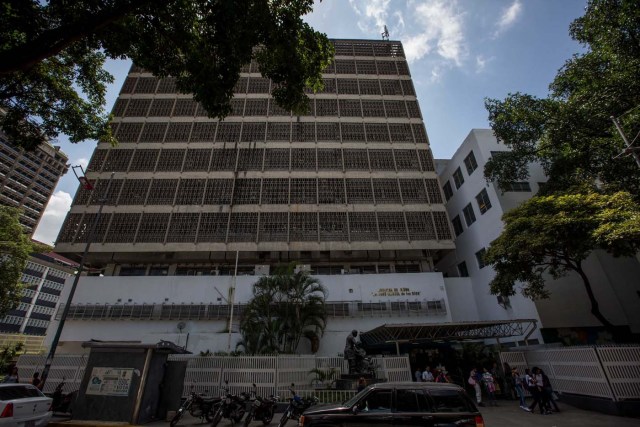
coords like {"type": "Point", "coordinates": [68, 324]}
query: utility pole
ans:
{"type": "Point", "coordinates": [634, 151]}
{"type": "Point", "coordinates": [232, 294]}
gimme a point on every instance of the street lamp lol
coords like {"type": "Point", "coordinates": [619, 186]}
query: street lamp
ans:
{"type": "Point", "coordinates": [87, 185]}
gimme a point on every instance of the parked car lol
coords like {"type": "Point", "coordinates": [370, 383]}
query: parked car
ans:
{"type": "Point", "coordinates": [406, 404]}
{"type": "Point", "coordinates": [23, 405]}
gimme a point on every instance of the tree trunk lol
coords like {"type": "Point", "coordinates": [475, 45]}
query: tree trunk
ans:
{"type": "Point", "coordinates": [595, 308]}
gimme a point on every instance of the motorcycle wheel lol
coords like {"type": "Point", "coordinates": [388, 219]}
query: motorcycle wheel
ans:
{"type": "Point", "coordinates": [176, 418]}
{"type": "Point", "coordinates": [210, 413]}
{"type": "Point", "coordinates": [248, 419]}
{"type": "Point", "coordinates": [268, 417]}
{"type": "Point", "coordinates": [238, 417]}
{"type": "Point", "coordinates": [216, 418]}
{"type": "Point", "coordinates": [284, 419]}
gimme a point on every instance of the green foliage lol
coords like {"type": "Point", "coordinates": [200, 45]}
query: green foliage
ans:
{"type": "Point", "coordinates": [8, 354]}
{"type": "Point", "coordinates": [325, 377]}
{"type": "Point", "coordinates": [571, 133]}
{"type": "Point", "coordinates": [52, 55]}
{"type": "Point", "coordinates": [552, 235]}
{"type": "Point", "coordinates": [285, 307]}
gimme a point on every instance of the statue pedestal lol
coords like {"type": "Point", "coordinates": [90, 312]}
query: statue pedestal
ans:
{"type": "Point", "coordinates": [350, 381]}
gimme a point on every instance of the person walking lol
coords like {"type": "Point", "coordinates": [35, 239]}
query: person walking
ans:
{"type": "Point", "coordinates": [547, 390]}
{"type": "Point", "coordinates": [474, 380]}
{"type": "Point", "coordinates": [535, 390]}
{"type": "Point", "coordinates": [490, 386]}
{"type": "Point", "coordinates": [517, 385]}
{"type": "Point", "coordinates": [35, 381]}
{"type": "Point", "coordinates": [543, 397]}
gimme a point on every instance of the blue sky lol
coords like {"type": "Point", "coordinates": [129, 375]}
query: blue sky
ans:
{"type": "Point", "coordinates": [459, 51]}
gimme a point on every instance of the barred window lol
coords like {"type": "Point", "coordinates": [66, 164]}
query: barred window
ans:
{"type": "Point", "coordinates": [387, 67]}
{"type": "Point", "coordinates": [362, 226]}
{"type": "Point", "coordinates": [129, 85]}
{"type": "Point", "coordinates": [377, 132]}
{"type": "Point", "coordinates": [178, 132]}
{"type": "Point", "coordinates": [85, 228]}
{"type": "Point", "coordinates": [119, 107]}
{"type": "Point", "coordinates": [403, 68]}
{"type": "Point", "coordinates": [326, 107]}
{"type": "Point", "coordinates": [204, 132]}
{"type": "Point", "coordinates": [303, 159]}
{"type": "Point", "coordinates": [426, 159]}
{"type": "Point", "coordinates": [328, 132]}
{"type": "Point", "coordinates": [343, 48]}
{"type": "Point", "coordinates": [228, 132]}
{"type": "Point", "coordinates": [162, 192]}
{"type": "Point", "coordinates": [353, 132]}
{"type": "Point", "coordinates": [359, 191]}
{"type": "Point", "coordinates": [345, 66]}
{"type": "Point", "coordinates": [223, 160]}
{"type": "Point", "coordinates": [185, 107]}
{"type": "Point", "coordinates": [333, 226]}
{"type": "Point", "coordinates": [276, 110]}
{"type": "Point", "coordinates": [366, 67]}
{"type": "Point", "coordinates": [442, 225]}
{"type": "Point", "coordinates": [161, 107]}
{"type": "Point", "coordinates": [372, 108]}
{"type": "Point", "coordinates": [253, 132]}
{"type": "Point", "coordinates": [457, 225]}
{"type": "Point", "coordinates": [128, 132]}
{"type": "Point", "coordinates": [237, 107]}
{"type": "Point", "coordinates": [386, 191]}
{"type": "Point", "coordinates": [123, 228]}
{"type": "Point", "coordinates": [303, 191]}
{"type": "Point", "coordinates": [138, 107]}
{"type": "Point", "coordinates": [395, 109]}
{"type": "Point", "coordinates": [256, 107]}
{"type": "Point", "coordinates": [400, 132]}
{"type": "Point", "coordinates": [197, 160]}
{"type": "Point", "coordinates": [183, 227]}
{"type": "Point", "coordinates": [329, 159]}
{"type": "Point", "coordinates": [391, 87]}
{"type": "Point", "coordinates": [278, 159]}
{"type": "Point", "coordinates": [213, 227]}
{"type": "Point", "coordinates": [381, 160]}
{"type": "Point", "coordinates": [391, 226]}
{"type": "Point", "coordinates": [152, 132]}
{"type": "Point", "coordinates": [329, 85]}
{"type": "Point", "coordinates": [190, 192]}
{"type": "Point", "coordinates": [433, 190]}
{"type": "Point", "coordinates": [153, 227]}
{"type": "Point", "coordinates": [362, 48]}
{"type": "Point", "coordinates": [469, 215]}
{"type": "Point", "coordinates": [258, 85]}
{"type": "Point", "coordinates": [355, 160]}
{"type": "Point", "coordinates": [241, 84]}
{"type": "Point", "coordinates": [348, 86]}
{"type": "Point", "coordinates": [304, 131]}
{"type": "Point", "coordinates": [407, 88]}
{"type": "Point", "coordinates": [274, 226]}
{"type": "Point", "coordinates": [420, 133]}
{"type": "Point", "coordinates": [243, 227]}
{"type": "Point", "coordinates": [134, 192]}
{"type": "Point", "coordinates": [470, 163]}
{"type": "Point", "coordinates": [406, 160]}
{"type": "Point", "coordinates": [278, 131]}
{"type": "Point", "coordinates": [458, 178]}
{"type": "Point", "coordinates": [146, 85]}
{"type": "Point", "coordinates": [484, 203]}
{"type": "Point", "coordinates": [71, 224]}
{"type": "Point", "coordinates": [250, 159]}
{"type": "Point", "coordinates": [275, 191]}
{"type": "Point", "coordinates": [82, 196]}
{"type": "Point", "coordinates": [118, 160]}
{"type": "Point", "coordinates": [350, 108]}
{"type": "Point", "coordinates": [369, 86]}
{"type": "Point", "coordinates": [171, 160]}
{"type": "Point", "coordinates": [303, 226]}
{"type": "Point", "coordinates": [413, 191]}
{"type": "Point", "coordinates": [246, 191]}
{"type": "Point", "coordinates": [414, 110]}
{"type": "Point", "coordinates": [420, 226]}
{"type": "Point", "coordinates": [100, 191]}
{"type": "Point", "coordinates": [218, 192]}
{"type": "Point", "coordinates": [144, 160]}
{"type": "Point", "coordinates": [167, 85]}
{"type": "Point", "coordinates": [97, 160]}
{"type": "Point", "coordinates": [331, 191]}
{"type": "Point", "coordinates": [448, 192]}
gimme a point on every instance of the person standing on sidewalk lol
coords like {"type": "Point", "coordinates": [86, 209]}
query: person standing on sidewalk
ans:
{"type": "Point", "coordinates": [517, 384]}
{"type": "Point", "coordinates": [474, 381]}
{"type": "Point", "coordinates": [535, 390]}
{"type": "Point", "coordinates": [547, 390]}
{"type": "Point", "coordinates": [490, 385]}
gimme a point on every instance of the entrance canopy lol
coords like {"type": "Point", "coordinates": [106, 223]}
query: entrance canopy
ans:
{"type": "Point", "coordinates": [428, 332]}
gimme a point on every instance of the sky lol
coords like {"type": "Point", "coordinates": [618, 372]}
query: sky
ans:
{"type": "Point", "coordinates": [459, 51]}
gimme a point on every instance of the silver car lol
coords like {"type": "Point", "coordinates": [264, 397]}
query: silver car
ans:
{"type": "Point", "coordinates": [23, 405]}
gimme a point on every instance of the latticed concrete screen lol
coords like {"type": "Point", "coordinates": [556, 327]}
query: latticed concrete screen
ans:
{"type": "Point", "coordinates": [161, 107]}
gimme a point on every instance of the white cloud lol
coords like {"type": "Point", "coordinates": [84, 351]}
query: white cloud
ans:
{"type": "Point", "coordinates": [53, 216]}
{"type": "Point", "coordinates": [481, 62]}
{"type": "Point", "coordinates": [83, 162]}
{"type": "Point", "coordinates": [509, 17]}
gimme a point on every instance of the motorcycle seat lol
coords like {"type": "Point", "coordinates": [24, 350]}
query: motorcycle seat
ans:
{"type": "Point", "coordinates": [209, 399]}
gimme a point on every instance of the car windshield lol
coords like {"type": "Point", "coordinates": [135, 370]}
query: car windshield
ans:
{"type": "Point", "coordinates": [349, 403]}
{"type": "Point", "coordinates": [18, 392]}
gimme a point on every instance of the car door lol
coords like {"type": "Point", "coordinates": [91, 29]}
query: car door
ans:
{"type": "Point", "coordinates": [373, 410]}
{"type": "Point", "coordinates": [451, 408]}
{"type": "Point", "coordinates": [412, 409]}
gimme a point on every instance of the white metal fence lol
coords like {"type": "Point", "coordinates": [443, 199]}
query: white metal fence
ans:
{"type": "Point", "coordinates": [67, 368]}
{"type": "Point", "coordinates": [611, 372]}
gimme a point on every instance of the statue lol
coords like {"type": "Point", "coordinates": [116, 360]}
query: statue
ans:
{"type": "Point", "coordinates": [359, 363]}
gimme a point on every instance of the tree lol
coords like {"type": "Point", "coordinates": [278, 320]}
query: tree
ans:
{"type": "Point", "coordinates": [285, 307]}
{"type": "Point", "coordinates": [553, 235]}
{"type": "Point", "coordinates": [52, 55]}
{"type": "Point", "coordinates": [15, 249]}
{"type": "Point", "coordinates": [8, 354]}
{"type": "Point", "coordinates": [570, 132]}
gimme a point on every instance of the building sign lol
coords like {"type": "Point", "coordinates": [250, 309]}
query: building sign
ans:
{"type": "Point", "coordinates": [395, 292]}
{"type": "Point", "coordinates": [110, 381]}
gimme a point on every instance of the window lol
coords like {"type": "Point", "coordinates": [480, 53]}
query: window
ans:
{"type": "Point", "coordinates": [411, 401]}
{"type": "Point", "coordinates": [458, 178]}
{"type": "Point", "coordinates": [462, 269]}
{"type": "Point", "coordinates": [480, 257]}
{"type": "Point", "coordinates": [470, 163]}
{"type": "Point", "coordinates": [448, 401]}
{"type": "Point", "coordinates": [483, 201]}
{"type": "Point", "coordinates": [520, 187]}
{"type": "Point", "coordinates": [448, 192]}
{"type": "Point", "coordinates": [457, 225]}
{"type": "Point", "coordinates": [469, 215]}
{"type": "Point", "coordinates": [376, 401]}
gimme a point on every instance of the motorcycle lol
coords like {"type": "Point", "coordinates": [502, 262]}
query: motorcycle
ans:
{"type": "Point", "coordinates": [198, 406]}
{"type": "Point", "coordinates": [62, 402]}
{"type": "Point", "coordinates": [232, 407]}
{"type": "Point", "coordinates": [297, 405]}
{"type": "Point", "coordinates": [261, 409]}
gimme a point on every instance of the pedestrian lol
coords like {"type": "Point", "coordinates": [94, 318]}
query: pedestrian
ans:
{"type": "Point", "coordinates": [418, 375]}
{"type": "Point", "coordinates": [543, 396]}
{"type": "Point", "coordinates": [474, 381]}
{"type": "Point", "coordinates": [490, 386]}
{"type": "Point", "coordinates": [362, 383]}
{"type": "Point", "coordinates": [35, 381]}
{"type": "Point", "coordinates": [427, 376]}
{"type": "Point", "coordinates": [547, 390]}
{"type": "Point", "coordinates": [12, 377]}
{"type": "Point", "coordinates": [517, 384]}
{"type": "Point", "coordinates": [532, 387]}
{"type": "Point", "coordinates": [442, 377]}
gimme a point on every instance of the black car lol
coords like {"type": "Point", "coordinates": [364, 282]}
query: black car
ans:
{"type": "Point", "coordinates": [399, 404]}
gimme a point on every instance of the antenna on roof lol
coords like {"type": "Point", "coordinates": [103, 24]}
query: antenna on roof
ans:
{"type": "Point", "coordinates": [385, 34]}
